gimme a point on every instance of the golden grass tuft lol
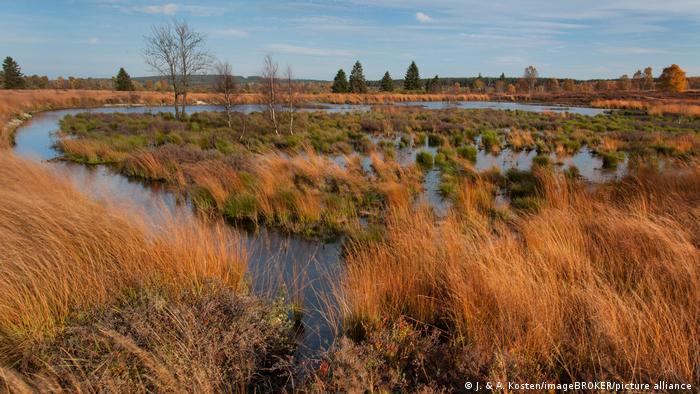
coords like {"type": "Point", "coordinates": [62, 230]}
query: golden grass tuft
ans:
{"type": "Point", "coordinates": [90, 151]}
{"type": "Point", "coordinates": [595, 285]}
{"type": "Point", "coordinates": [61, 252]}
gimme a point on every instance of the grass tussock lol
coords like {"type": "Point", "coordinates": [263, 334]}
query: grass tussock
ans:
{"type": "Point", "coordinates": [92, 300]}
{"type": "Point", "coordinates": [591, 286]}
{"type": "Point", "coordinates": [61, 253]}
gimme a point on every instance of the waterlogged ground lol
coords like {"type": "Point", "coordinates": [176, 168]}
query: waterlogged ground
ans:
{"type": "Point", "coordinates": [307, 268]}
{"type": "Point", "coordinates": [276, 261]}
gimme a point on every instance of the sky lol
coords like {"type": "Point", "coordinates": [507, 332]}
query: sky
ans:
{"type": "Point", "coordinates": [581, 39]}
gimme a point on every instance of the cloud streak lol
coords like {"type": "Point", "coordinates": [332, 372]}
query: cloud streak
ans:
{"type": "Point", "coordinates": [231, 32]}
{"type": "Point", "coordinates": [308, 51]}
{"type": "Point", "coordinates": [165, 9]}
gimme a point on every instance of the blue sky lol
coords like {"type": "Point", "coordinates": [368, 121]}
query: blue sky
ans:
{"type": "Point", "coordinates": [568, 38]}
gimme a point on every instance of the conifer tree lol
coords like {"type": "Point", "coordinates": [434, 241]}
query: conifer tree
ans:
{"type": "Point", "coordinates": [123, 81]}
{"type": "Point", "coordinates": [357, 79]}
{"type": "Point", "coordinates": [12, 74]}
{"type": "Point", "coordinates": [387, 84]}
{"type": "Point", "coordinates": [412, 79]}
{"type": "Point", "coordinates": [340, 83]}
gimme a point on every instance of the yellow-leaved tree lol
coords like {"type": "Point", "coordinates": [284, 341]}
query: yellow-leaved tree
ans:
{"type": "Point", "coordinates": [673, 79]}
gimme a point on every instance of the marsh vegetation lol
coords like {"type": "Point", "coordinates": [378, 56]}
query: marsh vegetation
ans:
{"type": "Point", "coordinates": [534, 268]}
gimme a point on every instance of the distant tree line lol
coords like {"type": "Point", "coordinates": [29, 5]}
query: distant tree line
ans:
{"type": "Point", "coordinates": [173, 79]}
{"type": "Point", "coordinates": [672, 79]}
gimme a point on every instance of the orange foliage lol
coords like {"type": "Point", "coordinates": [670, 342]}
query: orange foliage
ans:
{"type": "Point", "coordinates": [673, 79]}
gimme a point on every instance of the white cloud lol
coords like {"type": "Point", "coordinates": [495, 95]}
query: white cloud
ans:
{"type": "Point", "coordinates": [166, 9]}
{"type": "Point", "coordinates": [629, 50]}
{"type": "Point", "coordinates": [308, 51]}
{"type": "Point", "coordinates": [235, 33]}
{"type": "Point", "coordinates": [174, 8]}
{"type": "Point", "coordinates": [423, 18]}
{"type": "Point", "coordinates": [93, 40]}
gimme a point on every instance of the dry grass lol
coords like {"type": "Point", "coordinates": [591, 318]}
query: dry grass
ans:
{"type": "Point", "coordinates": [591, 287]}
{"type": "Point", "coordinates": [60, 252]}
{"type": "Point", "coordinates": [653, 108]}
{"type": "Point", "coordinates": [89, 151]}
{"type": "Point", "coordinates": [674, 109]}
{"type": "Point", "coordinates": [304, 192]}
{"type": "Point", "coordinates": [619, 104]}
{"type": "Point", "coordinates": [520, 139]}
{"type": "Point", "coordinates": [289, 189]}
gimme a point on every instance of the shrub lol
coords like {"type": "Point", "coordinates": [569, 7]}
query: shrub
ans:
{"type": "Point", "coordinates": [209, 340]}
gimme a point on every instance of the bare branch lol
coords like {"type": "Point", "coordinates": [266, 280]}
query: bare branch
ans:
{"type": "Point", "coordinates": [269, 74]}
{"type": "Point", "coordinates": [226, 85]}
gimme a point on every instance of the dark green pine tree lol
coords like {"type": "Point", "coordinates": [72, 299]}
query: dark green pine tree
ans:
{"type": "Point", "coordinates": [387, 84]}
{"type": "Point", "coordinates": [12, 74]}
{"type": "Point", "coordinates": [357, 79]}
{"type": "Point", "coordinates": [412, 79]}
{"type": "Point", "coordinates": [503, 77]}
{"type": "Point", "coordinates": [340, 83]}
{"type": "Point", "coordinates": [123, 81]}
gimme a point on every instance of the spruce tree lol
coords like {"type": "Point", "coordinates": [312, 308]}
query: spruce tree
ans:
{"type": "Point", "coordinates": [387, 84]}
{"type": "Point", "coordinates": [412, 79]}
{"type": "Point", "coordinates": [12, 74]}
{"type": "Point", "coordinates": [357, 79]}
{"type": "Point", "coordinates": [340, 83]}
{"type": "Point", "coordinates": [123, 81]}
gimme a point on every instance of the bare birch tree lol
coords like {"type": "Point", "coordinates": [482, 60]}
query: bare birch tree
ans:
{"type": "Point", "coordinates": [269, 75]}
{"type": "Point", "coordinates": [161, 54]}
{"type": "Point", "coordinates": [291, 97]}
{"type": "Point", "coordinates": [192, 56]}
{"type": "Point", "coordinates": [226, 85]}
{"type": "Point", "coordinates": [530, 76]}
{"type": "Point", "coordinates": [177, 52]}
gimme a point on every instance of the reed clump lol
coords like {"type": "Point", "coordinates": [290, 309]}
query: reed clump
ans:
{"type": "Point", "coordinates": [92, 299]}
{"type": "Point", "coordinates": [592, 285]}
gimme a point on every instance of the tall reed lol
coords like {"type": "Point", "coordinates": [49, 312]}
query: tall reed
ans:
{"type": "Point", "coordinates": [594, 285]}
{"type": "Point", "coordinates": [61, 252]}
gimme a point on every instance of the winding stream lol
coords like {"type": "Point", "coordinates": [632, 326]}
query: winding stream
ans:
{"type": "Point", "coordinates": [306, 268]}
